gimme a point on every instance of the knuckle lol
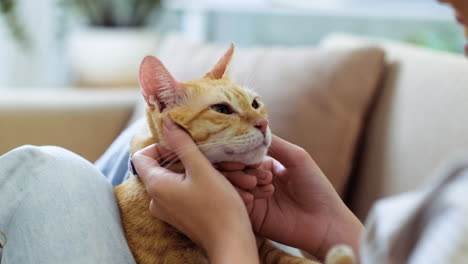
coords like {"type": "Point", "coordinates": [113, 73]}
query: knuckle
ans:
{"type": "Point", "coordinates": [137, 155]}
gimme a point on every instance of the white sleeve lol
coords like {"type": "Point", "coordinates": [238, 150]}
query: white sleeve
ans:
{"type": "Point", "coordinates": [426, 226]}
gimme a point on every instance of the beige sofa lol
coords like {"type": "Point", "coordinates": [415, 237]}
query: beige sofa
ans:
{"type": "Point", "coordinates": [416, 119]}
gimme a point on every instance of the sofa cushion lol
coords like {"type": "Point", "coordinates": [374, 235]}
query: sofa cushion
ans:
{"type": "Point", "coordinates": [419, 120]}
{"type": "Point", "coordinates": [84, 121]}
{"type": "Point", "coordinates": [316, 98]}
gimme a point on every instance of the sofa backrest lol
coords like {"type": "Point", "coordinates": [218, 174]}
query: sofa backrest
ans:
{"type": "Point", "coordinates": [316, 97]}
{"type": "Point", "coordinates": [85, 121]}
{"type": "Point", "coordinates": [419, 120]}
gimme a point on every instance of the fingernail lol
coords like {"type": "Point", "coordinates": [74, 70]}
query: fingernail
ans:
{"type": "Point", "coordinates": [168, 123]}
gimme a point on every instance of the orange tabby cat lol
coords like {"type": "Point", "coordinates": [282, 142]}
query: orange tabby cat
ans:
{"type": "Point", "coordinates": [227, 122]}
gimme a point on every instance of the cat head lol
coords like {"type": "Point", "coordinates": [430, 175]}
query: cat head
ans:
{"type": "Point", "coordinates": [227, 121]}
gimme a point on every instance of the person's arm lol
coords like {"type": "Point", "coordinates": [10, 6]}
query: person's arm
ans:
{"type": "Point", "coordinates": [201, 203]}
{"type": "Point", "coordinates": [232, 248]}
{"type": "Point", "coordinates": [304, 211]}
{"type": "Point", "coordinates": [345, 228]}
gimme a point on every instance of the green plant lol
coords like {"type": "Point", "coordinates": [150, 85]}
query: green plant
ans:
{"type": "Point", "coordinates": [106, 13]}
{"type": "Point", "coordinates": [8, 9]}
{"type": "Point", "coordinates": [114, 13]}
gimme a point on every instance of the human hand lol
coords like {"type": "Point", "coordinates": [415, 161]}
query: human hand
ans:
{"type": "Point", "coordinates": [251, 182]}
{"type": "Point", "coordinates": [304, 211]}
{"type": "Point", "coordinates": [201, 203]}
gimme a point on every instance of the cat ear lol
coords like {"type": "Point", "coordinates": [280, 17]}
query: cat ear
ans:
{"type": "Point", "coordinates": [219, 69]}
{"type": "Point", "coordinates": [159, 87]}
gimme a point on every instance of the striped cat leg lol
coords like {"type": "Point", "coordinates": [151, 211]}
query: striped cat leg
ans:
{"type": "Point", "coordinates": [184, 256]}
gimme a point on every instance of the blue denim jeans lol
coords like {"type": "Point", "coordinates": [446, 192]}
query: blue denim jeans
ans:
{"type": "Point", "coordinates": [114, 162]}
{"type": "Point", "coordinates": [56, 207]}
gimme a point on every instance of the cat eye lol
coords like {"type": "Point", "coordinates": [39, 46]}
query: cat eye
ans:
{"type": "Point", "coordinates": [255, 104]}
{"type": "Point", "coordinates": [222, 108]}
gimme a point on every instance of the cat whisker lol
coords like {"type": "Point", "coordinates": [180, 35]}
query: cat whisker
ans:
{"type": "Point", "coordinates": [167, 157]}
{"type": "Point", "coordinates": [172, 157]}
{"type": "Point", "coordinates": [185, 152]}
{"type": "Point", "coordinates": [166, 166]}
{"type": "Point", "coordinates": [249, 78]}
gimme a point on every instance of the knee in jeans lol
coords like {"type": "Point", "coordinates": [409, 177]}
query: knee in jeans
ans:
{"type": "Point", "coordinates": [43, 153]}
{"type": "Point", "coordinates": [54, 158]}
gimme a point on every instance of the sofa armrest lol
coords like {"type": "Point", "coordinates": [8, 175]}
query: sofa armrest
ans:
{"type": "Point", "coordinates": [85, 121]}
{"type": "Point", "coordinates": [417, 122]}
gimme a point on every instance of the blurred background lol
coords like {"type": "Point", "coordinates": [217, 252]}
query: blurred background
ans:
{"type": "Point", "coordinates": [69, 77]}
{"type": "Point", "coordinates": [94, 43]}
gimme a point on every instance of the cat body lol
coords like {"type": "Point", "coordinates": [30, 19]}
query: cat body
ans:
{"type": "Point", "coordinates": [226, 121]}
{"type": "Point", "coordinates": [151, 240]}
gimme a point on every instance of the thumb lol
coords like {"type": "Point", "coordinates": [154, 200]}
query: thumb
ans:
{"type": "Point", "coordinates": [158, 181]}
{"type": "Point", "coordinates": [181, 143]}
{"type": "Point", "coordinates": [286, 153]}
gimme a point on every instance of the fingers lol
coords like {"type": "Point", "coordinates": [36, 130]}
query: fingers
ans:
{"type": "Point", "coordinates": [147, 160]}
{"type": "Point", "coordinates": [230, 166]}
{"type": "Point", "coordinates": [287, 153]}
{"type": "Point", "coordinates": [263, 176]}
{"type": "Point", "coordinates": [264, 187]}
{"type": "Point", "coordinates": [250, 178]}
{"type": "Point", "coordinates": [263, 191]}
{"type": "Point", "coordinates": [246, 196]}
{"type": "Point", "coordinates": [182, 144]}
{"type": "Point", "coordinates": [156, 179]}
{"type": "Point", "coordinates": [256, 165]}
{"type": "Point", "coordinates": [153, 155]}
{"type": "Point", "coordinates": [252, 183]}
{"type": "Point", "coordinates": [148, 156]}
{"type": "Point", "coordinates": [241, 180]}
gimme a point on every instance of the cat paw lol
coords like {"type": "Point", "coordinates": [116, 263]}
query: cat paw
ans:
{"type": "Point", "coordinates": [340, 254]}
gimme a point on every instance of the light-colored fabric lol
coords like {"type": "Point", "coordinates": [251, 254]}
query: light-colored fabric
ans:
{"type": "Point", "coordinates": [83, 120]}
{"type": "Point", "coordinates": [425, 226]}
{"type": "Point", "coordinates": [114, 162]}
{"type": "Point", "coordinates": [419, 120]}
{"type": "Point", "coordinates": [57, 208]}
{"type": "Point", "coordinates": [315, 97]}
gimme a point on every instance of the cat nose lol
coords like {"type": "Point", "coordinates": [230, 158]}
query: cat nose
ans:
{"type": "Point", "coordinates": [262, 125]}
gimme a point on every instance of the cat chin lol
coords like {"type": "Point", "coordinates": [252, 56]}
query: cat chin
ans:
{"type": "Point", "coordinates": [244, 154]}
{"type": "Point", "coordinates": [248, 158]}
